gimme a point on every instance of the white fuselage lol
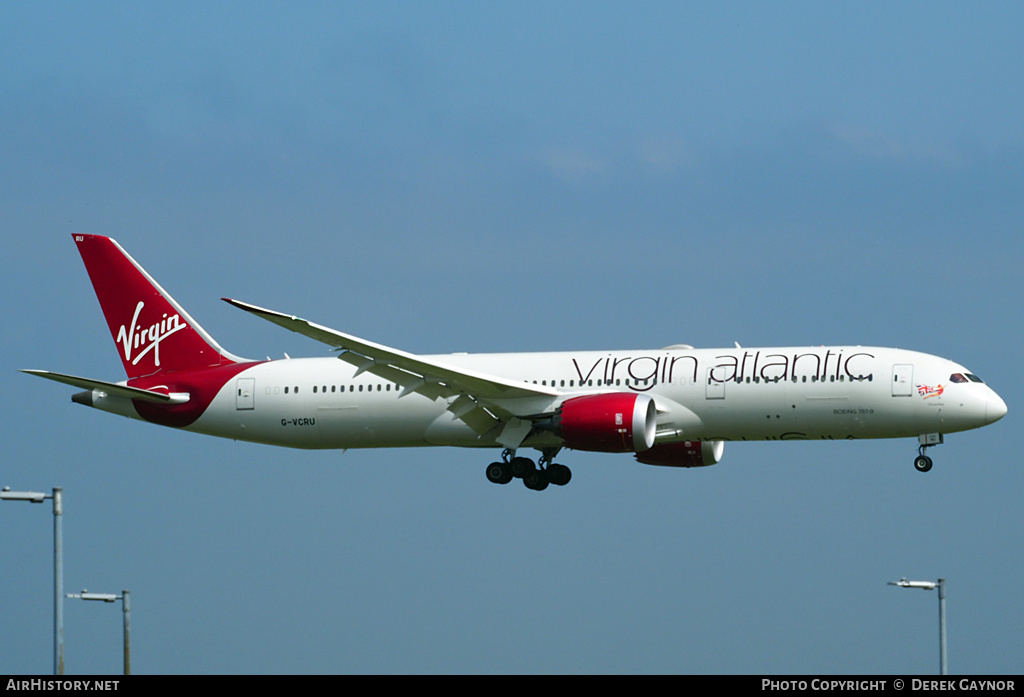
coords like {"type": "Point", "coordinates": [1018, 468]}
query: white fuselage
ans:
{"type": "Point", "coordinates": [700, 394]}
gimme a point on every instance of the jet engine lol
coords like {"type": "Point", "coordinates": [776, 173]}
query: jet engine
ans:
{"type": "Point", "coordinates": [689, 453]}
{"type": "Point", "coordinates": [619, 422]}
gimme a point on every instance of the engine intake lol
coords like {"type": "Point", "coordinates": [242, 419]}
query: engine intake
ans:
{"type": "Point", "coordinates": [619, 422]}
{"type": "Point", "coordinates": [690, 453]}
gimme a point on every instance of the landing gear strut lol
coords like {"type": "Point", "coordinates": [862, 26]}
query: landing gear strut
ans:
{"type": "Point", "coordinates": [923, 463]}
{"type": "Point", "coordinates": [534, 477]}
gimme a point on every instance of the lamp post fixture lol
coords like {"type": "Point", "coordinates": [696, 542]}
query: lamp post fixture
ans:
{"type": "Point", "coordinates": [58, 563]}
{"type": "Point", "coordinates": [126, 608]}
{"type": "Point", "coordinates": [931, 585]}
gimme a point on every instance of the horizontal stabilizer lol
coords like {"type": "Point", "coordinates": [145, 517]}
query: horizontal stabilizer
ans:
{"type": "Point", "coordinates": [112, 388]}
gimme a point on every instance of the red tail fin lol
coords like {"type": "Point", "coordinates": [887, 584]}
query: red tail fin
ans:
{"type": "Point", "coordinates": [152, 332]}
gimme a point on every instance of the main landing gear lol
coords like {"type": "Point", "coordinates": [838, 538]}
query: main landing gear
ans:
{"type": "Point", "coordinates": [534, 476]}
{"type": "Point", "coordinates": [923, 463]}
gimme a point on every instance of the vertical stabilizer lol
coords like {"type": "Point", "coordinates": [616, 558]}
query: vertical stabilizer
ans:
{"type": "Point", "coordinates": [152, 332]}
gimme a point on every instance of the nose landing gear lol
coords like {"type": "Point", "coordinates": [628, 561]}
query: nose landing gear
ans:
{"type": "Point", "coordinates": [923, 463]}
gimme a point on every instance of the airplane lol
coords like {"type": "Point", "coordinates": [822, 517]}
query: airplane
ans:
{"type": "Point", "coordinates": [673, 407]}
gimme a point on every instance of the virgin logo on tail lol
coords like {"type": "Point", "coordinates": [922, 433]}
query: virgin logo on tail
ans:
{"type": "Point", "coordinates": [137, 336]}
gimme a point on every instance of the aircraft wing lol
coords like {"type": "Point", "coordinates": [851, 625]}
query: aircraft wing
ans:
{"type": "Point", "coordinates": [483, 401]}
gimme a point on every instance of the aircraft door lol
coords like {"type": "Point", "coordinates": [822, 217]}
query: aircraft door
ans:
{"type": "Point", "coordinates": [715, 387]}
{"type": "Point", "coordinates": [903, 380]}
{"type": "Point", "coordinates": [245, 393]}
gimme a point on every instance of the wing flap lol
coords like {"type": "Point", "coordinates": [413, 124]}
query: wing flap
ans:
{"type": "Point", "coordinates": [477, 417]}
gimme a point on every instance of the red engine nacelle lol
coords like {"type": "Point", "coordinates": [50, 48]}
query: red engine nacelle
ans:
{"type": "Point", "coordinates": [620, 422]}
{"type": "Point", "coordinates": [689, 453]}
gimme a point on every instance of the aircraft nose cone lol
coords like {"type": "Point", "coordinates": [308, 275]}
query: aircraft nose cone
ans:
{"type": "Point", "coordinates": [995, 408]}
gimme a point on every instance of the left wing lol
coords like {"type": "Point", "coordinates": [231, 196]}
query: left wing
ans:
{"type": "Point", "coordinates": [484, 402]}
{"type": "Point", "coordinates": [113, 388]}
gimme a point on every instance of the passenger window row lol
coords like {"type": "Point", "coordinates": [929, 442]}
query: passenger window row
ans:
{"type": "Point", "coordinates": [323, 389]}
{"type": "Point", "coordinates": [803, 378]}
{"type": "Point", "coordinates": [387, 387]}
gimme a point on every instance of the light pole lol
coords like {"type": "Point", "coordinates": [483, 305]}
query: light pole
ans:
{"type": "Point", "coordinates": [58, 563]}
{"type": "Point", "coordinates": [931, 585]}
{"type": "Point", "coordinates": [126, 609]}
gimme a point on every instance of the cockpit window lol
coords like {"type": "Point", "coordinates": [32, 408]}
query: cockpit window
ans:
{"type": "Point", "coordinates": [974, 378]}
{"type": "Point", "coordinates": [957, 377]}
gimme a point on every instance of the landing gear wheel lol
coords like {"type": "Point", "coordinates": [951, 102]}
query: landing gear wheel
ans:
{"type": "Point", "coordinates": [922, 463]}
{"type": "Point", "coordinates": [499, 472]}
{"type": "Point", "coordinates": [520, 466]}
{"type": "Point", "coordinates": [559, 475]}
{"type": "Point", "coordinates": [536, 479]}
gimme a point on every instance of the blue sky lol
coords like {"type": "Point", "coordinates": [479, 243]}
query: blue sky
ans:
{"type": "Point", "coordinates": [520, 176]}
